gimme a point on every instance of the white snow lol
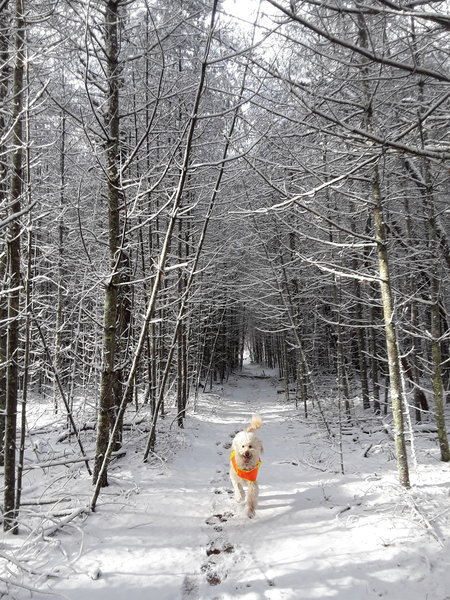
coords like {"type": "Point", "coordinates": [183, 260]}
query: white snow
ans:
{"type": "Point", "coordinates": [171, 529]}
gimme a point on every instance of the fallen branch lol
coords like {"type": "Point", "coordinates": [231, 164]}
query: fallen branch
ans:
{"type": "Point", "coordinates": [40, 502]}
{"type": "Point", "coordinates": [69, 461]}
{"type": "Point", "coordinates": [73, 515]}
{"type": "Point", "coordinates": [56, 463]}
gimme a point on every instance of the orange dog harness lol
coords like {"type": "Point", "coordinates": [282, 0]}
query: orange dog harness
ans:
{"type": "Point", "coordinates": [248, 474]}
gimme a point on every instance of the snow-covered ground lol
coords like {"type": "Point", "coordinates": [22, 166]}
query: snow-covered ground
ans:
{"type": "Point", "coordinates": [171, 530]}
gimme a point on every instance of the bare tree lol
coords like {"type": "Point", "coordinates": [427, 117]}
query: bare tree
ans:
{"type": "Point", "coordinates": [112, 169]}
{"type": "Point", "coordinates": [4, 84]}
{"type": "Point", "coordinates": [14, 280]}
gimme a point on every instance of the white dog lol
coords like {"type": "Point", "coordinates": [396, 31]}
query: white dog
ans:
{"type": "Point", "coordinates": [245, 460]}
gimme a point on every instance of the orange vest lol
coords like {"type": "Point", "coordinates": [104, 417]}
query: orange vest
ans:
{"type": "Point", "coordinates": [248, 474]}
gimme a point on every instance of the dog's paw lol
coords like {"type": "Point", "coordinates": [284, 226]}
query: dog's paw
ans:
{"type": "Point", "coordinates": [250, 513]}
{"type": "Point", "coordinates": [239, 497]}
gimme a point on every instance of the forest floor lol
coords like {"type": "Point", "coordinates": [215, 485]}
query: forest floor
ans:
{"type": "Point", "coordinates": [171, 530]}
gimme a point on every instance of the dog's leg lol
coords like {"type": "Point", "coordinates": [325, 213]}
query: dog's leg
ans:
{"type": "Point", "coordinates": [237, 486]}
{"type": "Point", "coordinates": [239, 493]}
{"type": "Point", "coordinates": [252, 498]}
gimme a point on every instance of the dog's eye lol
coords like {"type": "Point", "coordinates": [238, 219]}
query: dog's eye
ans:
{"type": "Point", "coordinates": [249, 446]}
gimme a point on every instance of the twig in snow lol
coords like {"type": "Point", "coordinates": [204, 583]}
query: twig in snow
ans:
{"type": "Point", "coordinates": [20, 565]}
{"type": "Point", "coordinates": [343, 510]}
{"type": "Point", "coordinates": [428, 526]}
{"type": "Point", "coordinates": [32, 589]}
{"type": "Point", "coordinates": [153, 453]}
{"type": "Point", "coordinates": [366, 453]}
{"type": "Point", "coordinates": [304, 462]}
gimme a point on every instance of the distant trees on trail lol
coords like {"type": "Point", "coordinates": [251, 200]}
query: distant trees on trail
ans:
{"type": "Point", "coordinates": [178, 184]}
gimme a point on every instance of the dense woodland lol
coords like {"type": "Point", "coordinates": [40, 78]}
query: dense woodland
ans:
{"type": "Point", "coordinates": [179, 182]}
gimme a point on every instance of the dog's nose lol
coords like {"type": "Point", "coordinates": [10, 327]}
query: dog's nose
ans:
{"type": "Point", "coordinates": [247, 454]}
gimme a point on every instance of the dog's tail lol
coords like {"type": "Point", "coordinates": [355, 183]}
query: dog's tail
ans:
{"type": "Point", "coordinates": [255, 423]}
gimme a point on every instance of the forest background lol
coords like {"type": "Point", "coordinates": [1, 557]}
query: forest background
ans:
{"type": "Point", "coordinates": [181, 179]}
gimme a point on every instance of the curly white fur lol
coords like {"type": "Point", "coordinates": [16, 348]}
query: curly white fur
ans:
{"type": "Point", "coordinates": [248, 448]}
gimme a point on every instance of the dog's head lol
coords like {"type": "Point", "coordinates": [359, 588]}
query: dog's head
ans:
{"type": "Point", "coordinates": [248, 448]}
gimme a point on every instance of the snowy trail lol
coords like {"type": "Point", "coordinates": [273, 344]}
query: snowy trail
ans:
{"type": "Point", "coordinates": [175, 533]}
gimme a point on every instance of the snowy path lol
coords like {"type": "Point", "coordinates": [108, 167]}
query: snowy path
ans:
{"type": "Point", "coordinates": [175, 533]}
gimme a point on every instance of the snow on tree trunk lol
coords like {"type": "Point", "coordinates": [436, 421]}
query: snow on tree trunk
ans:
{"type": "Point", "coordinates": [395, 384]}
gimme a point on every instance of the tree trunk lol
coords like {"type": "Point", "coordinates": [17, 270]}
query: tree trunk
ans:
{"type": "Point", "coordinates": [4, 81]}
{"type": "Point", "coordinates": [110, 311]}
{"type": "Point", "coordinates": [374, 360]}
{"type": "Point", "coordinates": [361, 344]}
{"type": "Point", "coordinates": [434, 244]}
{"type": "Point", "coordinates": [12, 375]}
{"type": "Point", "coordinates": [391, 338]}
{"type": "Point", "coordinates": [59, 321]}
{"type": "Point", "coordinates": [26, 365]}
{"type": "Point", "coordinates": [437, 375]}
